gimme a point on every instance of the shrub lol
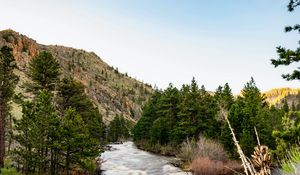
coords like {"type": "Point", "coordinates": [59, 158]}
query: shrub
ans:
{"type": "Point", "coordinates": [212, 149]}
{"type": "Point", "coordinates": [206, 166]}
{"type": "Point", "coordinates": [188, 150]}
{"type": "Point", "coordinates": [168, 150]}
{"type": "Point", "coordinates": [191, 149]}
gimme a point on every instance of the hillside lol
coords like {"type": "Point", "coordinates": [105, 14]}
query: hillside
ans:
{"type": "Point", "coordinates": [111, 91]}
{"type": "Point", "coordinates": [278, 95]}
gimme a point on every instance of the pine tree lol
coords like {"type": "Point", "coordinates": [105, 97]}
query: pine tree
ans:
{"type": "Point", "coordinates": [287, 136]}
{"type": "Point", "coordinates": [168, 112]}
{"type": "Point", "coordinates": [36, 132]}
{"type": "Point", "coordinates": [71, 94]}
{"type": "Point", "coordinates": [188, 112]}
{"type": "Point", "coordinates": [8, 81]}
{"type": "Point", "coordinates": [288, 56]}
{"type": "Point", "coordinates": [44, 70]}
{"type": "Point", "coordinates": [249, 111]}
{"type": "Point", "coordinates": [285, 106]}
{"type": "Point", "coordinates": [118, 129]}
{"type": "Point", "coordinates": [75, 143]}
{"type": "Point", "coordinates": [149, 115]}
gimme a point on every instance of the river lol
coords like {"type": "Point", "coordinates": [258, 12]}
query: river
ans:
{"type": "Point", "coordinates": [126, 159]}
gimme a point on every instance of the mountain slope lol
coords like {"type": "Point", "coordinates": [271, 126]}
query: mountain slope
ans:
{"type": "Point", "coordinates": [111, 91]}
{"type": "Point", "coordinates": [279, 95]}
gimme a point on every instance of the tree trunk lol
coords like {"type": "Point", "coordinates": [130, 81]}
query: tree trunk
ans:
{"type": "Point", "coordinates": [68, 162]}
{"type": "Point", "coordinates": [2, 131]}
{"type": "Point", "coordinates": [10, 139]}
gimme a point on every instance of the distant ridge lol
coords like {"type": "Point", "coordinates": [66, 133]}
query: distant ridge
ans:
{"type": "Point", "coordinates": [276, 96]}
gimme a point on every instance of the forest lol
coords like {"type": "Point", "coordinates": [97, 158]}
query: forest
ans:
{"type": "Point", "coordinates": [61, 130]}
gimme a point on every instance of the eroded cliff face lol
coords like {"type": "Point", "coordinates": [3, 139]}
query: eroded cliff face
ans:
{"type": "Point", "coordinates": [23, 47]}
{"type": "Point", "coordinates": [112, 92]}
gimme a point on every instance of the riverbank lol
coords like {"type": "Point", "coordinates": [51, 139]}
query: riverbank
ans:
{"type": "Point", "coordinates": [127, 159]}
{"type": "Point", "coordinates": [168, 151]}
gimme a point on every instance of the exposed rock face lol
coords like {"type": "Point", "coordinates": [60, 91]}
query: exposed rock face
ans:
{"type": "Point", "coordinates": [277, 96]}
{"type": "Point", "coordinates": [112, 92]}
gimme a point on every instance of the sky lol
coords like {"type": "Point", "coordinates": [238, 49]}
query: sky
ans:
{"type": "Point", "coordinates": [167, 41]}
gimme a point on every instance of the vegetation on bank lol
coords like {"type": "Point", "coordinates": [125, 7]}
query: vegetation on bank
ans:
{"type": "Point", "coordinates": [291, 164]}
{"type": "Point", "coordinates": [60, 130]}
{"type": "Point", "coordinates": [174, 119]}
{"type": "Point", "coordinates": [119, 129]}
{"type": "Point", "coordinates": [173, 115]}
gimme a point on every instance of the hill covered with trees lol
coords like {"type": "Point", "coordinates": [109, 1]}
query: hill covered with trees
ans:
{"type": "Point", "coordinates": [114, 93]}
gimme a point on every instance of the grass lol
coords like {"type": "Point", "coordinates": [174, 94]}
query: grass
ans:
{"type": "Point", "coordinates": [292, 165]}
{"type": "Point", "coordinates": [9, 171]}
{"type": "Point", "coordinates": [206, 166]}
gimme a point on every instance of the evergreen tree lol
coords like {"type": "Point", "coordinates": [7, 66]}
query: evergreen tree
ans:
{"type": "Point", "coordinates": [71, 94]}
{"type": "Point", "coordinates": [288, 135]}
{"type": "Point", "coordinates": [288, 56]}
{"type": "Point", "coordinates": [249, 111]}
{"type": "Point", "coordinates": [44, 70]}
{"type": "Point", "coordinates": [8, 81]}
{"type": "Point", "coordinates": [225, 100]}
{"type": "Point", "coordinates": [159, 131]}
{"type": "Point", "coordinates": [118, 129]}
{"type": "Point", "coordinates": [224, 96]}
{"type": "Point", "coordinates": [48, 142]}
{"type": "Point", "coordinates": [285, 106]}
{"type": "Point", "coordinates": [36, 132]}
{"type": "Point", "coordinates": [188, 111]}
{"type": "Point", "coordinates": [75, 143]}
{"type": "Point", "coordinates": [149, 115]}
{"type": "Point", "coordinates": [168, 112]}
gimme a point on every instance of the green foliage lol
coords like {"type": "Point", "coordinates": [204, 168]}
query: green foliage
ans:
{"type": "Point", "coordinates": [288, 56]}
{"type": "Point", "coordinates": [36, 133]}
{"type": "Point", "coordinates": [71, 94]}
{"type": "Point", "coordinates": [58, 132]}
{"type": "Point", "coordinates": [149, 115]}
{"type": "Point", "coordinates": [291, 164]}
{"type": "Point", "coordinates": [173, 115]}
{"type": "Point", "coordinates": [118, 129]}
{"type": "Point", "coordinates": [288, 135]}
{"type": "Point", "coordinates": [250, 110]}
{"type": "Point", "coordinates": [9, 171]}
{"type": "Point", "coordinates": [75, 142]}
{"type": "Point", "coordinates": [8, 81]}
{"type": "Point", "coordinates": [285, 106]}
{"type": "Point", "coordinates": [47, 140]}
{"type": "Point", "coordinates": [44, 70]}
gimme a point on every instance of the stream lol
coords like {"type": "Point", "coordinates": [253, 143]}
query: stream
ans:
{"type": "Point", "coordinates": [126, 159]}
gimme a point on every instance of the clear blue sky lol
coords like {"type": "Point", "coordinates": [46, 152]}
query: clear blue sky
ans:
{"type": "Point", "coordinates": [163, 41]}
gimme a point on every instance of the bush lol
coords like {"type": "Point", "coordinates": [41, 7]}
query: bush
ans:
{"type": "Point", "coordinates": [188, 150]}
{"type": "Point", "coordinates": [191, 149]}
{"type": "Point", "coordinates": [212, 149]}
{"type": "Point", "coordinates": [168, 150]}
{"type": "Point", "coordinates": [206, 166]}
